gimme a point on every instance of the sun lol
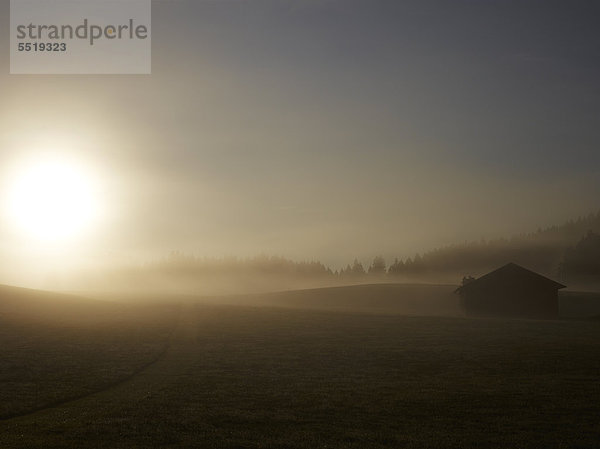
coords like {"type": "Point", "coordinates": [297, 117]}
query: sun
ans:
{"type": "Point", "coordinates": [52, 200]}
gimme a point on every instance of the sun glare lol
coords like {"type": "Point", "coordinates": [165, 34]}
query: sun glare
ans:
{"type": "Point", "coordinates": [52, 200]}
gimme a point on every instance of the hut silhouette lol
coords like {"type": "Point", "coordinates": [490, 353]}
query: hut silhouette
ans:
{"type": "Point", "coordinates": [510, 291]}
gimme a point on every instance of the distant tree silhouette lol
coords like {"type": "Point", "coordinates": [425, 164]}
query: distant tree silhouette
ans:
{"type": "Point", "coordinates": [397, 268]}
{"type": "Point", "coordinates": [584, 258]}
{"type": "Point", "coordinates": [467, 279]}
{"type": "Point", "coordinates": [378, 266]}
{"type": "Point", "coordinates": [357, 268]}
{"type": "Point", "coordinates": [345, 272]}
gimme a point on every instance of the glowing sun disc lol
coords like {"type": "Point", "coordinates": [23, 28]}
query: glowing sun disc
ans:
{"type": "Point", "coordinates": [52, 200]}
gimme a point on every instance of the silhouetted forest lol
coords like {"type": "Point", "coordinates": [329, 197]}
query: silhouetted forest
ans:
{"type": "Point", "coordinates": [187, 265]}
{"type": "Point", "coordinates": [581, 264]}
{"type": "Point", "coordinates": [570, 253]}
{"type": "Point", "coordinates": [544, 251]}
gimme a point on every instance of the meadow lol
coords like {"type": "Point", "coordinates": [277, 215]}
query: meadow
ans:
{"type": "Point", "coordinates": [240, 372]}
{"type": "Point", "coordinates": [54, 348]}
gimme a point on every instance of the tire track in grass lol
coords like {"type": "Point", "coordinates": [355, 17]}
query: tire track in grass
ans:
{"type": "Point", "coordinates": [105, 387]}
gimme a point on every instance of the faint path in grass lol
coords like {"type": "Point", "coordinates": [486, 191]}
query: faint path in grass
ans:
{"type": "Point", "coordinates": [118, 409]}
{"type": "Point", "coordinates": [105, 387]}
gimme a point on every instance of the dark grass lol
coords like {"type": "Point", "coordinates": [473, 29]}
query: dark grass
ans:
{"type": "Point", "coordinates": [244, 377]}
{"type": "Point", "coordinates": [54, 348]}
{"type": "Point", "coordinates": [404, 299]}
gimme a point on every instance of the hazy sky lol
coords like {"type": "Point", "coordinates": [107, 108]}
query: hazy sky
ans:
{"type": "Point", "coordinates": [327, 129]}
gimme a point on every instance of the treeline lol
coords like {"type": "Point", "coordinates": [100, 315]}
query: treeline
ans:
{"type": "Point", "coordinates": [548, 251]}
{"type": "Point", "coordinates": [553, 251]}
{"type": "Point", "coordinates": [582, 262]}
{"type": "Point", "coordinates": [570, 252]}
{"type": "Point", "coordinates": [178, 263]}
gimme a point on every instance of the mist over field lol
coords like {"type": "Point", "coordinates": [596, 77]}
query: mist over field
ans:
{"type": "Point", "coordinates": [569, 253]}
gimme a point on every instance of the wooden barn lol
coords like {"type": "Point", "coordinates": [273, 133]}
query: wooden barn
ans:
{"type": "Point", "coordinates": [511, 291]}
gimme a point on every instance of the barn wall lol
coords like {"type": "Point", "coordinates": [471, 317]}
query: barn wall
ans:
{"type": "Point", "coordinates": [525, 302]}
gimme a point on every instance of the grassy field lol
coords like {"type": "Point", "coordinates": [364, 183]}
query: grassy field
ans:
{"type": "Point", "coordinates": [55, 347]}
{"type": "Point", "coordinates": [243, 376]}
{"type": "Point", "coordinates": [399, 299]}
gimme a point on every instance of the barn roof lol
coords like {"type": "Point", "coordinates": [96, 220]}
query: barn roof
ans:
{"type": "Point", "coordinates": [510, 274]}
